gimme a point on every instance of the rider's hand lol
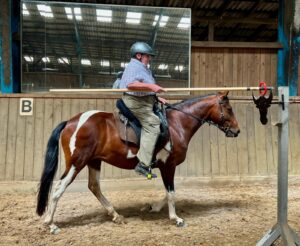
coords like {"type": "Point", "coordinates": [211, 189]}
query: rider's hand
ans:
{"type": "Point", "coordinates": [162, 100]}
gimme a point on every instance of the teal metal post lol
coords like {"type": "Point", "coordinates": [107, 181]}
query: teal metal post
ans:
{"type": "Point", "coordinates": [9, 48]}
{"type": "Point", "coordinates": [287, 65]}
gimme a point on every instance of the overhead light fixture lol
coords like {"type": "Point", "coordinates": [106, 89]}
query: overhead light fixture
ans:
{"type": "Point", "coordinates": [28, 58]}
{"type": "Point", "coordinates": [104, 73]}
{"type": "Point", "coordinates": [77, 13]}
{"type": "Point", "coordinates": [179, 68]}
{"type": "Point", "coordinates": [86, 62]}
{"type": "Point", "coordinates": [163, 20]}
{"type": "Point", "coordinates": [162, 76]}
{"type": "Point", "coordinates": [25, 10]}
{"type": "Point", "coordinates": [69, 13]}
{"type": "Point", "coordinates": [45, 10]}
{"type": "Point", "coordinates": [45, 59]}
{"type": "Point", "coordinates": [185, 22]}
{"type": "Point", "coordinates": [63, 60]}
{"type": "Point", "coordinates": [104, 15]}
{"type": "Point", "coordinates": [104, 63]}
{"type": "Point", "coordinates": [124, 64]}
{"type": "Point", "coordinates": [163, 66]}
{"type": "Point", "coordinates": [49, 69]}
{"type": "Point", "coordinates": [133, 17]}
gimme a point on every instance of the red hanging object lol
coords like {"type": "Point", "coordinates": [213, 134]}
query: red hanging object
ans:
{"type": "Point", "coordinates": [263, 91]}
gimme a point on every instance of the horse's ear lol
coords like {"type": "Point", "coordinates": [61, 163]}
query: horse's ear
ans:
{"type": "Point", "coordinates": [223, 94]}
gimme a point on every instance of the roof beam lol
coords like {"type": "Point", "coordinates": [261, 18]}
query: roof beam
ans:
{"type": "Point", "coordinates": [252, 9]}
{"type": "Point", "coordinates": [255, 45]}
{"type": "Point", "coordinates": [155, 30]}
{"type": "Point", "coordinates": [78, 47]}
{"type": "Point", "coordinates": [221, 9]}
{"type": "Point", "coordinates": [231, 20]}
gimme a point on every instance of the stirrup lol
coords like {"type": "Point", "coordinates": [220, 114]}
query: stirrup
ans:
{"type": "Point", "coordinates": [144, 170]}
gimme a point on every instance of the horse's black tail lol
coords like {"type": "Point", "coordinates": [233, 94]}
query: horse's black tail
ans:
{"type": "Point", "coordinates": [50, 167]}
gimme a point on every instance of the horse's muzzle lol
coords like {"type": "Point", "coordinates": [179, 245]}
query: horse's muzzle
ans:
{"type": "Point", "coordinates": [232, 133]}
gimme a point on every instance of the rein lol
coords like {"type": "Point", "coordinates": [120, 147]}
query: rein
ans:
{"type": "Point", "coordinates": [202, 121]}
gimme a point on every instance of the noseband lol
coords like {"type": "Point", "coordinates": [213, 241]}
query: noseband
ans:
{"type": "Point", "coordinates": [210, 122]}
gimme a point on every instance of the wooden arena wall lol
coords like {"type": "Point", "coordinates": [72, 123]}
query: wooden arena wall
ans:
{"type": "Point", "coordinates": [219, 67]}
{"type": "Point", "coordinates": [254, 153]}
{"type": "Point", "coordinates": [23, 139]}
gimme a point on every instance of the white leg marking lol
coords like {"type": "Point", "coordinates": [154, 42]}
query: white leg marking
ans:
{"type": "Point", "coordinates": [168, 146]}
{"type": "Point", "coordinates": [83, 118]}
{"type": "Point", "coordinates": [130, 154]}
{"type": "Point", "coordinates": [172, 213]}
{"type": "Point", "coordinates": [94, 186]}
{"type": "Point", "coordinates": [58, 191]}
{"type": "Point", "coordinates": [164, 153]}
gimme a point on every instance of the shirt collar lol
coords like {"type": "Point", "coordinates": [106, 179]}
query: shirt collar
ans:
{"type": "Point", "coordinates": [138, 62]}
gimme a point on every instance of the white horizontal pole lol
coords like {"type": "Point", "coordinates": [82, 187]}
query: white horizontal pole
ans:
{"type": "Point", "coordinates": [169, 89]}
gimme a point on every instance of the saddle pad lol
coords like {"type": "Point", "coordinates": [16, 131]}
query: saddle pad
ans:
{"type": "Point", "coordinates": [129, 135]}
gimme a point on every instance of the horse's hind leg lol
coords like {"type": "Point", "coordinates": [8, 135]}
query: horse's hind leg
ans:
{"type": "Point", "coordinates": [156, 207]}
{"type": "Point", "coordinates": [67, 178]}
{"type": "Point", "coordinates": [94, 186]}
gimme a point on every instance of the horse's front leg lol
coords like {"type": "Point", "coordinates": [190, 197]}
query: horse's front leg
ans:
{"type": "Point", "coordinates": [172, 213]}
{"type": "Point", "coordinates": [168, 173]}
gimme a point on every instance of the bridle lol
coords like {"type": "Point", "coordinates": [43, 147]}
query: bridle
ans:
{"type": "Point", "coordinates": [225, 129]}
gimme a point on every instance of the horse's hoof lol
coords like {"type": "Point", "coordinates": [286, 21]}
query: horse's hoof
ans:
{"type": "Point", "coordinates": [54, 229]}
{"type": "Point", "coordinates": [180, 223]}
{"type": "Point", "coordinates": [119, 219]}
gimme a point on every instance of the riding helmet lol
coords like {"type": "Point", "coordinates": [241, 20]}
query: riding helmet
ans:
{"type": "Point", "coordinates": [141, 47]}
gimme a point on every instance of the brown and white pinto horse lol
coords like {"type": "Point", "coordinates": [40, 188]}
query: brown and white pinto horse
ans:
{"type": "Point", "coordinates": [92, 137]}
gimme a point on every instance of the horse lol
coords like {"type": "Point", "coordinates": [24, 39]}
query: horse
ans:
{"type": "Point", "coordinates": [91, 137]}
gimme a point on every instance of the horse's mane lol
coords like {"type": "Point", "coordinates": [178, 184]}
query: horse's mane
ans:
{"type": "Point", "coordinates": [188, 102]}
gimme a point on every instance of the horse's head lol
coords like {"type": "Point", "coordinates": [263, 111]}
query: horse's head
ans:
{"type": "Point", "coordinates": [222, 115]}
{"type": "Point", "coordinates": [263, 103]}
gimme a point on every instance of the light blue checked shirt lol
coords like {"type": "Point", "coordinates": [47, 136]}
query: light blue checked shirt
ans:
{"type": "Point", "coordinates": [137, 71]}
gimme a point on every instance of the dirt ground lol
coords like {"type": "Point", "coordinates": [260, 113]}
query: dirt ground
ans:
{"type": "Point", "coordinates": [236, 214]}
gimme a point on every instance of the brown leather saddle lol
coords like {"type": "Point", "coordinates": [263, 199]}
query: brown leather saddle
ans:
{"type": "Point", "coordinates": [126, 132]}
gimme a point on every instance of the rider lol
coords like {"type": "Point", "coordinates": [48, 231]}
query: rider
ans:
{"type": "Point", "coordinates": [138, 78]}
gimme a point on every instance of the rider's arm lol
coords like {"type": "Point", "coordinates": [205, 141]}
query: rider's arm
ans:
{"type": "Point", "coordinates": [139, 86]}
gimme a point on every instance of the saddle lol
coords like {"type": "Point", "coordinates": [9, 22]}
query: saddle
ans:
{"type": "Point", "coordinates": [129, 126]}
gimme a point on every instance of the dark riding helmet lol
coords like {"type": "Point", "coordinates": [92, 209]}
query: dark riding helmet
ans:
{"type": "Point", "coordinates": [141, 47]}
{"type": "Point", "coordinates": [119, 75]}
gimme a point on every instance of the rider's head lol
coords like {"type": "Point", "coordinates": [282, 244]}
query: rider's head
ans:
{"type": "Point", "coordinates": [142, 52]}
